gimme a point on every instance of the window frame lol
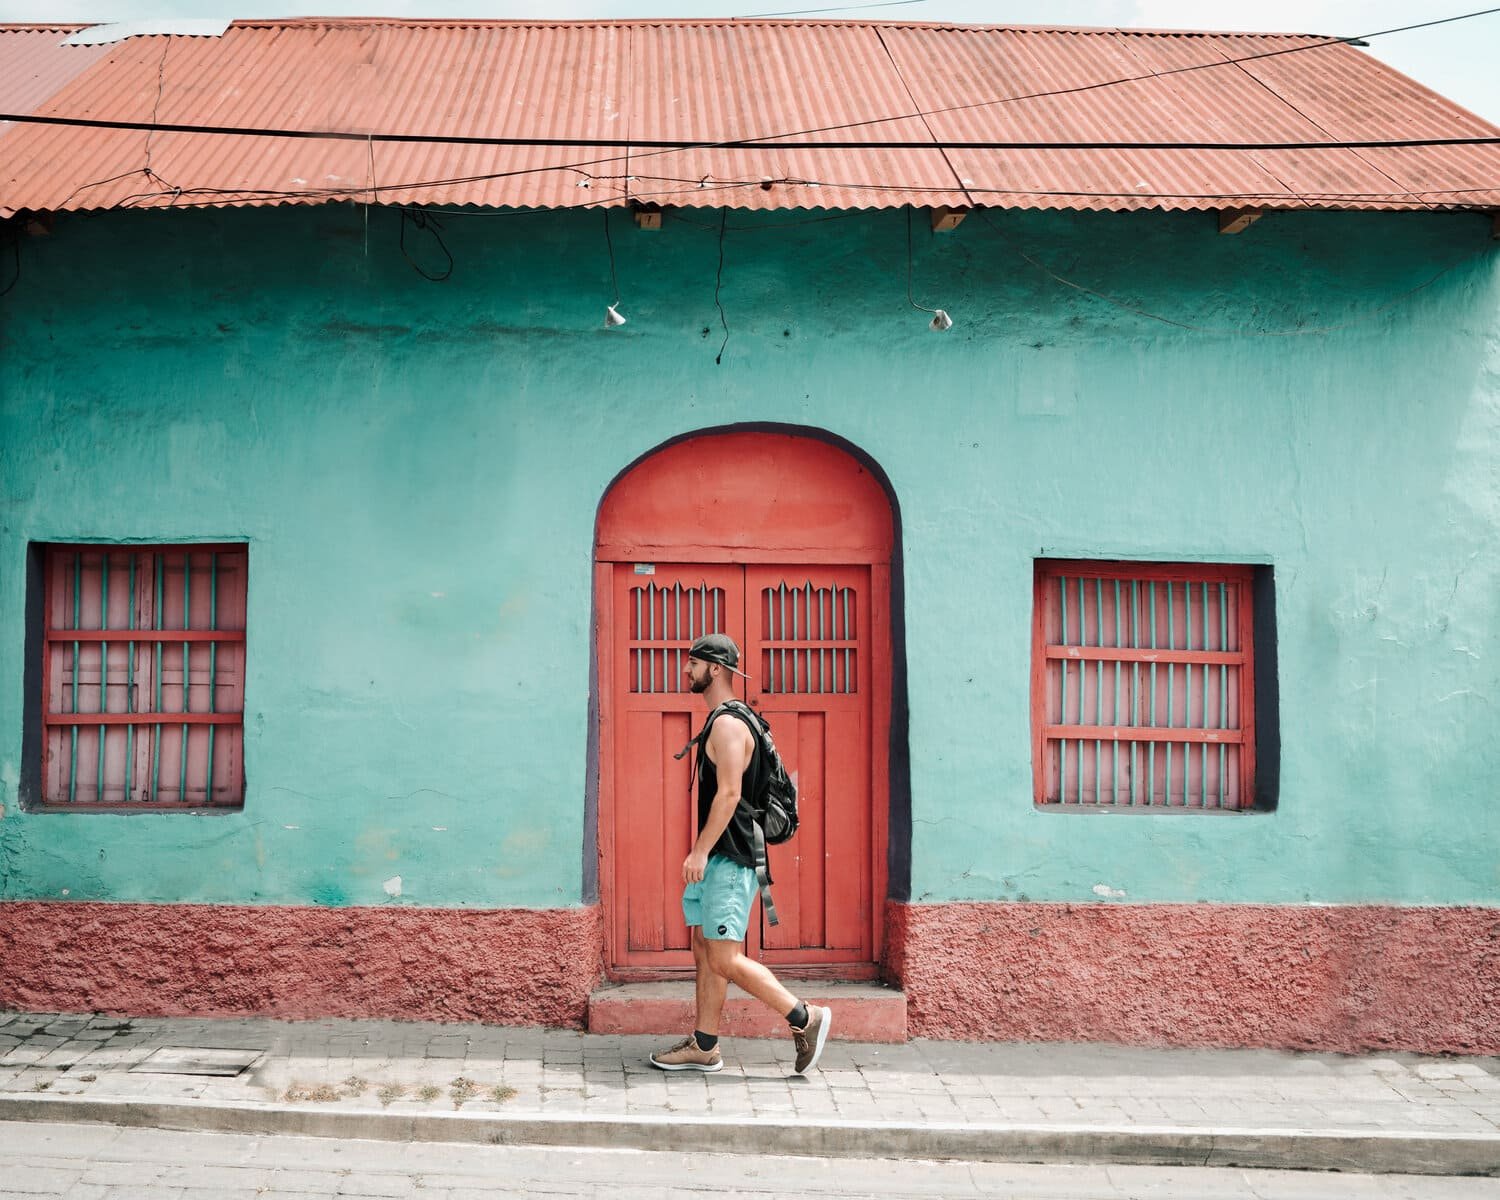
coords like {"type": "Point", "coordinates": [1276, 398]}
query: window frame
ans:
{"type": "Point", "coordinates": [1045, 735]}
{"type": "Point", "coordinates": [142, 638]}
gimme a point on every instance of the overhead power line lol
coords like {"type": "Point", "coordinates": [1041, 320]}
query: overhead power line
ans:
{"type": "Point", "coordinates": [761, 143]}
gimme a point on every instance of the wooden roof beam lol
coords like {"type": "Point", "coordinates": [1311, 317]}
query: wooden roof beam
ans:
{"type": "Point", "coordinates": [1237, 220]}
{"type": "Point", "coordinates": [647, 216]}
{"type": "Point", "coordinates": [945, 219]}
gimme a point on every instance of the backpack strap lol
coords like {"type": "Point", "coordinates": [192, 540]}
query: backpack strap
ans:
{"type": "Point", "coordinates": [762, 863]}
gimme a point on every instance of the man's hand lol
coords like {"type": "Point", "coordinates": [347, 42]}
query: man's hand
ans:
{"type": "Point", "coordinates": [693, 867]}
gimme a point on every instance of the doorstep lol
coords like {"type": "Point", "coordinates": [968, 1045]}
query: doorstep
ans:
{"type": "Point", "coordinates": [862, 1012]}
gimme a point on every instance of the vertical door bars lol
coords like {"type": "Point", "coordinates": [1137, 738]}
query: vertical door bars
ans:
{"type": "Point", "coordinates": [663, 636]}
{"type": "Point", "coordinates": [800, 622]}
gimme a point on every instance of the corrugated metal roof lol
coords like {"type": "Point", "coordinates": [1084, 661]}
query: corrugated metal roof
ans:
{"type": "Point", "coordinates": [893, 114]}
{"type": "Point", "coordinates": [34, 65]}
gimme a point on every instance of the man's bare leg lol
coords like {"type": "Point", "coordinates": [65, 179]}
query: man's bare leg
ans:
{"type": "Point", "coordinates": [809, 1033]}
{"type": "Point", "coordinates": [729, 964]}
{"type": "Point", "coordinates": [710, 989]}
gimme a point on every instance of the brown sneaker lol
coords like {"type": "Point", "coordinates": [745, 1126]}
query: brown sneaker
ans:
{"type": "Point", "coordinates": [809, 1041]}
{"type": "Point", "coordinates": [685, 1056]}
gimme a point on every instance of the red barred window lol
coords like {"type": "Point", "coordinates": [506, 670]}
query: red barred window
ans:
{"type": "Point", "coordinates": [1143, 690]}
{"type": "Point", "coordinates": [143, 676]}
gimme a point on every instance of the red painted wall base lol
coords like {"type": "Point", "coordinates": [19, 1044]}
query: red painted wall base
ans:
{"type": "Point", "coordinates": [1326, 978]}
{"type": "Point", "coordinates": [507, 967]}
{"type": "Point", "coordinates": [1345, 979]}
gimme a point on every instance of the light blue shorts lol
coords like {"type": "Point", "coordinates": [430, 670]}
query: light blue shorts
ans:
{"type": "Point", "coordinates": [720, 904]}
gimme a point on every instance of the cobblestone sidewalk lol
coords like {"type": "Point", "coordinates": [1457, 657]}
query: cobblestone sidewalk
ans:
{"type": "Point", "coordinates": [363, 1069]}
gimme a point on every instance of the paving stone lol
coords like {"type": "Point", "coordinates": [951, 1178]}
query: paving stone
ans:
{"type": "Point", "coordinates": [22, 1179]}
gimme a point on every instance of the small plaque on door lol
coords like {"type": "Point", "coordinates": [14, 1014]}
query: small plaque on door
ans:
{"type": "Point", "coordinates": [645, 568]}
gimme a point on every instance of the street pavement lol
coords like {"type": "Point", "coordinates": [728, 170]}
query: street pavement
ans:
{"type": "Point", "coordinates": [97, 1162]}
{"type": "Point", "coordinates": [406, 1082]}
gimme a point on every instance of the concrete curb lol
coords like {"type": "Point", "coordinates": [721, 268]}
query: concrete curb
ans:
{"type": "Point", "coordinates": [1375, 1152]}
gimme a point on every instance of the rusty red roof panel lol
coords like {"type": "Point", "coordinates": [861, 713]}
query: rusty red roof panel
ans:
{"type": "Point", "coordinates": [839, 115]}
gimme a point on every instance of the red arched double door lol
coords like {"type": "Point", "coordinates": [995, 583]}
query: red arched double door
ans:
{"type": "Point", "coordinates": [784, 543]}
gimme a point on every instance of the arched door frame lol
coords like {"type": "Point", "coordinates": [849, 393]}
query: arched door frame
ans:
{"type": "Point", "coordinates": [890, 813]}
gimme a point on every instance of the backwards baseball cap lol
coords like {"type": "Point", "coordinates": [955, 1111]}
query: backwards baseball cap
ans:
{"type": "Point", "coordinates": [717, 648]}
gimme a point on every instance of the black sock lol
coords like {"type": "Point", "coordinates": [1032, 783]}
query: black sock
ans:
{"type": "Point", "coordinates": [706, 1041]}
{"type": "Point", "coordinates": [797, 1018]}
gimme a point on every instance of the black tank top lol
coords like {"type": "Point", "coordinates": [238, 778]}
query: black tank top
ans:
{"type": "Point", "coordinates": [737, 842]}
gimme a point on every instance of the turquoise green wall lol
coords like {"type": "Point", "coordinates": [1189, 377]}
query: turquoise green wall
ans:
{"type": "Point", "coordinates": [416, 467]}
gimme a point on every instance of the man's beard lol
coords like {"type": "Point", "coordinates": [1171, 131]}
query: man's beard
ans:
{"type": "Point", "coordinates": [700, 685]}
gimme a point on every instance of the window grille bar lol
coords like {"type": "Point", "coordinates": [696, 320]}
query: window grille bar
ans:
{"type": "Point", "coordinates": [807, 632]}
{"type": "Point", "coordinates": [796, 654]}
{"type": "Point", "coordinates": [781, 628]}
{"type": "Point", "coordinates": [822, 637]}
{"type": "Point", "coordinates": [159, 563]}
{"type": "Point", "coordinates": [76, 720]}
{"type": "Point", "coordinates": [130, 685]}
{"type": "Point", "coordinates": [1171, 690]}
{"type": "Point", "coordinates": [77, 620]}
{"type": "Point", "coordinates": [669, 633]}
{"type": "Point", "coordinates": [187, 703]}
{"type": "Point", "coordinates": [1114, 779]}
{"type": "Point", "coordinates": [847, 635]}
{"type": "Point", "coordinates": [213, 667]}
{"type": "Point", "coordinates": [1151, 750]}
{"type": "Point", "coordinates": [1135, 684]}
{"type": "Point", "coordinates": [1203, 717]}
{"type": "Point", "coordinates": [1182, 658]}
{"type": "Point", "coordinates": [104, 565]}
{"type": "Point", "coordinates": [825, 659]}
{"type": "Point", "coordinates": [1223, 687]}
{"type": "Point", "coordinates": [1098, 686]}
{"type": "Point", "coordinates": [1062, 753]}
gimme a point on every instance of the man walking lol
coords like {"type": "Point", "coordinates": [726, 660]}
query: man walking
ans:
{"type": "Point", "coordinates": [719, 875]}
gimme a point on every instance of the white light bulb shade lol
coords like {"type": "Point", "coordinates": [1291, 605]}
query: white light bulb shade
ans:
{"type": "Point", "coordinates": [940, 321]}
{"type": "Point", "coordinates": [612, 318]}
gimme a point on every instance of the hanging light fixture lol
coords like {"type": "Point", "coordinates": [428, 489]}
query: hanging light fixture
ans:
{"type": "Point", "coordinates": [941, 321]}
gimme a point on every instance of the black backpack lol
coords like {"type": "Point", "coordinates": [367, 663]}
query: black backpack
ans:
{"type": "Point", "coordinates": [774, 807]}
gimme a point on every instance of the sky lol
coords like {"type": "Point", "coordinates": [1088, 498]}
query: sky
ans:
{"type": "Point", "coordinates": [1456, 59]}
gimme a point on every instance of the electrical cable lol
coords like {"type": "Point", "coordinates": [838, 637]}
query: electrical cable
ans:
{"type": "Point", "coordinates": [718, 285]}
{"type": "Point", "coordinates": [1442, 199]}
{"type": "Point", "coordinates": [909, 300]}
{"type": "Point", "coordinates": [767, 141]}
{"type": "Point", "coordinates": [609, 243]}
{"type": "Point", "coordinates": [420, 220]}
{"type": "Point", "coordinates": [13, 236]}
